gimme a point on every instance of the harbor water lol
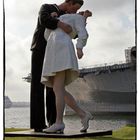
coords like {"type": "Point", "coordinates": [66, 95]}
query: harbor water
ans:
{"type": "Point", "coordinates": [19, 117]}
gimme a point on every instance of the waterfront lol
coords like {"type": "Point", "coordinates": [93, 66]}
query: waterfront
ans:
{"type": "Point", "coordinates": [19, 117]}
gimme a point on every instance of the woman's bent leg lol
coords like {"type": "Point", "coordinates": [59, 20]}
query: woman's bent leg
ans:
{"type": "Point", "coordinates": [71, 102]}
{"type": "Point", "coordinates": [85, 116]}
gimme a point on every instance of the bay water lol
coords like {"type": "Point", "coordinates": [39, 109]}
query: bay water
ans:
{"type": "Point", "coordinates": [19, 117]}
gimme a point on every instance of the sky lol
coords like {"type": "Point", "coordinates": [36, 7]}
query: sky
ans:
{"type": "Point", "coordinates": [111, 30]}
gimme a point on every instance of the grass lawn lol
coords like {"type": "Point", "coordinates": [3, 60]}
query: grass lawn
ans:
{"type": "Point", "coordinates": [125, 133]}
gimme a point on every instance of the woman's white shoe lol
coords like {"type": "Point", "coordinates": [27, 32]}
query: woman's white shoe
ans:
{"type": "Point", "coordinates": [85, 122]}
{"type": "Point", "coordinates": [55, 128]}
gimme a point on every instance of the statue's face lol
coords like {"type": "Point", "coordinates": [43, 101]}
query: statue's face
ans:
{"type": "Point", "coordinates": [73, 8]}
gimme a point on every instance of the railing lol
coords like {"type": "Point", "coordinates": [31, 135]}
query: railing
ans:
{"type": "Point", "coordinates": [105, 67]}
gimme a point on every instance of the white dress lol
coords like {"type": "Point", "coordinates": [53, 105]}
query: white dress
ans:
{"type": "Point", "coordinates": [60, 54]}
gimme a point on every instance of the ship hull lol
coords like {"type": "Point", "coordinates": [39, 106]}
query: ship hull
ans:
{"type": "Point", "coordinates": [123, 80]}
{"type": "Point", "coordinates": [106, 91]}
{"type": "Point", "coordinates": [113, 97]}
{"type": "Point", "coordinates": [114, 87]}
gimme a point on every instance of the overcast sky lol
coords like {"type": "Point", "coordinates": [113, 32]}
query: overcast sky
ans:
{"type": "Point", "coordinates": [111, 30]}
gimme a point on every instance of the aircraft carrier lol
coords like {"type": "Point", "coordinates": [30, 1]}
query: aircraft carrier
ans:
{"type": "Point", "coordinates": [108, 88]}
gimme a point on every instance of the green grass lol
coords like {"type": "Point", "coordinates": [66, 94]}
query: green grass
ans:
{"type": "Point", "coordinates": [124, 133]}
{"type": "Point", "coordinates": [14, 129]}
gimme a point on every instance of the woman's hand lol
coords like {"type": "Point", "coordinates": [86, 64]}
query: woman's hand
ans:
{"type": "Point", "coordinates": [79, 53]}
{"type": "Point", "coordinates": [87, 13]}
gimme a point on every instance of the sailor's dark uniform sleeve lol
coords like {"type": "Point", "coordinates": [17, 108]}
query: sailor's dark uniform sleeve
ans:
{"type": "Point", "coordinates": [45, 18]}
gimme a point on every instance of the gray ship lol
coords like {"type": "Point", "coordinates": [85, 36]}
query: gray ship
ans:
{"type": "Point", "coordinates": [108, 88]}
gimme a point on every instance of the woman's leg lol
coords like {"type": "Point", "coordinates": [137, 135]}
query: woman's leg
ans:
{"type": "Point", "coordinates": [85, 116]}
{"type": "Point", "coordinates": [70, 101]}
{"type": "Point", "coordinates": [58, 87]}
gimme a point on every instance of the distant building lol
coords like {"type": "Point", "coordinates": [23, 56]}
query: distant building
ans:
{"type": "Point", "coordinates": [128, 54]}
{"type": "Point", "coordinates": [7, 102]}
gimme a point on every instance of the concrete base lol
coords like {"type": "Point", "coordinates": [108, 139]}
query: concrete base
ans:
{"type": "Point", "coordinates": [66, 134]}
